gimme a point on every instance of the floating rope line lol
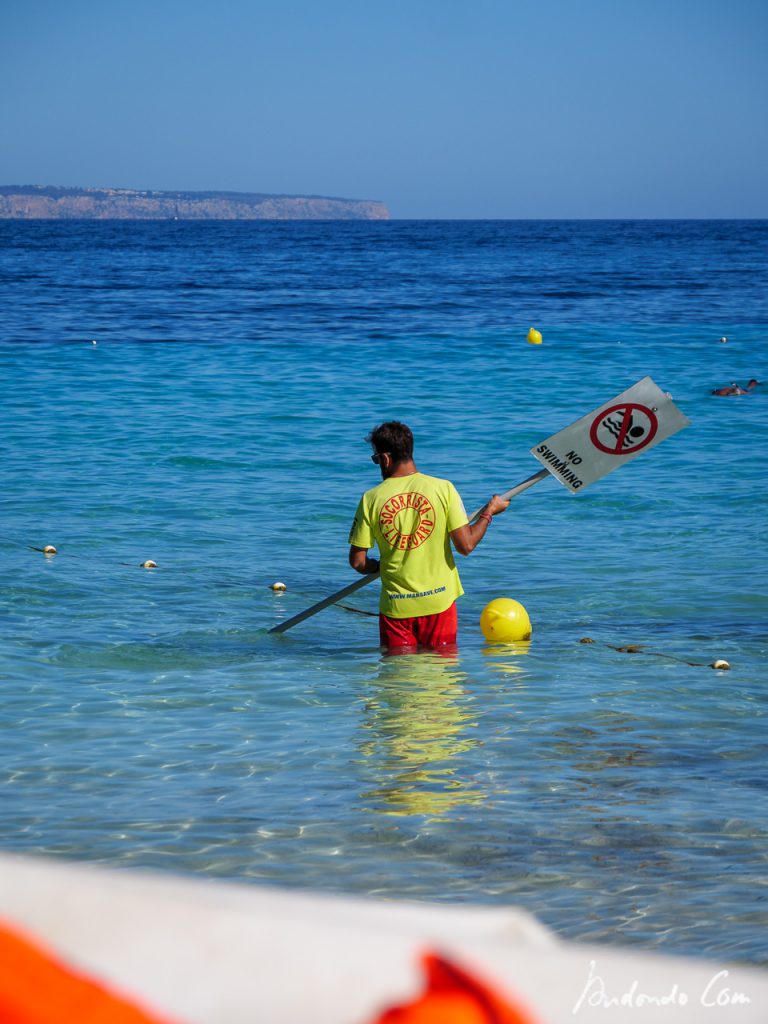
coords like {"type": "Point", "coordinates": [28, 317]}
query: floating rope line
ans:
{"type": "Point", "coordinates": [720, 663]}
{"type": "Point", "coordinates": [358, 611]}
{"type": "Point", "coordinates": [20, 544]}
{"type": "Point", "coordinates": [49, 550]}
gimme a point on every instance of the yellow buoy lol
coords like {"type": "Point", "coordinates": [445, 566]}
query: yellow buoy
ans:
{"type": "Point", "coordinates": [49, 549]}
{"type": "Point", "coordinates": [505, 621]}
{"type": "Point", "coordinates": [721, 664]}
{"type": "Point", "coordinates": [534, 337]}
{"type": "Point", "coordinates": [278, 586]}
{"type": "Point", "coordinates": [149, 564]}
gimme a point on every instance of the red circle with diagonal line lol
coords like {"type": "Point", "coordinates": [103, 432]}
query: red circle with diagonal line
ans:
{"type": "Point", "coordinates": [624, 429]}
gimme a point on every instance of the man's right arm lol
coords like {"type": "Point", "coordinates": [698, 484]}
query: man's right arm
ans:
{"type": "Point", "coordinates": [360, 562]}
{"type": "Point", "coordinates": [361, 541]}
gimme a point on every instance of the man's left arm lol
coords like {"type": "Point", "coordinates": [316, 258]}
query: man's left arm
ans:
{"type": "Point", "coordinates": [466, 538]}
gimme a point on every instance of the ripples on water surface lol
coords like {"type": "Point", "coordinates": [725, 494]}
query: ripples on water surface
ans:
{"type": "Point", "coordinates": [148, 717]}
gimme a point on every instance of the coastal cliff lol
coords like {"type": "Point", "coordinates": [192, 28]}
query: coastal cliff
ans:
{"type": "Point", "coordinates": [36, 202]}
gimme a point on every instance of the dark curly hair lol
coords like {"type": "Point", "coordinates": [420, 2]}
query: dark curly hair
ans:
{"type": "Point", "coordinates": [392, 437]}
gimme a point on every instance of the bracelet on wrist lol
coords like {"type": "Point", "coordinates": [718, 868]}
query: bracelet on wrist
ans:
{"type": "Point", "coordinates": [485, 515]}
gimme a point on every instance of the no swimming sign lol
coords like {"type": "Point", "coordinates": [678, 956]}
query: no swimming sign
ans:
{"type": "Point", "coordinates": [622, 428]}
{"type": "Point", "coordinates": [604, 439]}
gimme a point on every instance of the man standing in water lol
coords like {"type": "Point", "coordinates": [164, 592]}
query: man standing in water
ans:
{"type": "Point", "coordinates": [413, 518]}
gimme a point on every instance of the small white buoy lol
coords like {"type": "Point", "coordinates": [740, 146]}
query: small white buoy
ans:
{"type": "Point", "coordinates": [723, 340]}
{"type": "Point", "coordinates": [94, 342]}
{"type": "Point", "coordinates": [149, 564]}
{"type": "Point", "coordinates": [720, 663]}
{"type": "Point", "coordinates": [49, 549]}
{"type": "Point", "coordinates": [277, 586]}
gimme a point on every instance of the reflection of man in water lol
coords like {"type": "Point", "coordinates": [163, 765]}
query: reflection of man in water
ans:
{"type": "Point", "coordinates": [413, 518]}
{"type": "Point", "coordinates": [417, 721]}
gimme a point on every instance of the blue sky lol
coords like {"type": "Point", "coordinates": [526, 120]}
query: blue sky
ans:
{"type": "Point", "coordinates": [555, 108]}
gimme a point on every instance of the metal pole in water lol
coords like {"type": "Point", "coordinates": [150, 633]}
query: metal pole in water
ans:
{"type": "Point", "coordinates": [365, 580]}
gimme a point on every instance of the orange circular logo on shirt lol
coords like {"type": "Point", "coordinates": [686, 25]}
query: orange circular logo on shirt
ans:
{"type": "Point", "coordinates": [406, 520]}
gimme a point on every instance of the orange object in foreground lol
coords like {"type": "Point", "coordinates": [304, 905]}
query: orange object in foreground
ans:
{"type": "Point", "coordinates": [37, 988]}
{"type": "Point", "coordinates": [453, 996]}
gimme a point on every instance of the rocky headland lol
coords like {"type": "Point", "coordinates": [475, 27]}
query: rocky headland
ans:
{"type": "Point", "coordinates": [38, 202]}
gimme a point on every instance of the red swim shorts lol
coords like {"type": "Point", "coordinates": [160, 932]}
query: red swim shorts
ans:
{"type": "Point", "coordinates": [437, 630]}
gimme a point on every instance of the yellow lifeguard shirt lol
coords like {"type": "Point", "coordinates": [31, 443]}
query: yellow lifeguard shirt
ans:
{"type": "Point", "coordinates": [410, 518]}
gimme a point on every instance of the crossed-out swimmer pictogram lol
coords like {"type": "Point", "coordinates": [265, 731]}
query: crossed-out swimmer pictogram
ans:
{"type": "Point", "coordinates": [624, 429]}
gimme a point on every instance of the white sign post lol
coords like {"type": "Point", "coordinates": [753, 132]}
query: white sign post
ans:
{"type": "Point", "coordinates": [603, 440]}
{"type": "Point", "coordinates": [606, 438]}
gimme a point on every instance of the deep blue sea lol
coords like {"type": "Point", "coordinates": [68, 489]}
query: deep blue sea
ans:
{"type": "Point", "coordinates": [217, 427]}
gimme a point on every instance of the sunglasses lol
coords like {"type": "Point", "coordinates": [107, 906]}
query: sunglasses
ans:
{"type": "Point", "coordinates": [376, 458]}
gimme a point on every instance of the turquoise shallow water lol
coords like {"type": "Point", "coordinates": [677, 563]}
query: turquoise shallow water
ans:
{"type": "Point", "coordinates": [217, 427]}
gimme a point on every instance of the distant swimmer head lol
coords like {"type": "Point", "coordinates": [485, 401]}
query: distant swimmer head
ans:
{"type": "Point", "coordinates": [734, 389]}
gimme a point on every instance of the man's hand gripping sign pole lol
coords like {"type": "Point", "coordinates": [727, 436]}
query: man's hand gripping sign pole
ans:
{"type": "Point", "coordinates": [603, 440]}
